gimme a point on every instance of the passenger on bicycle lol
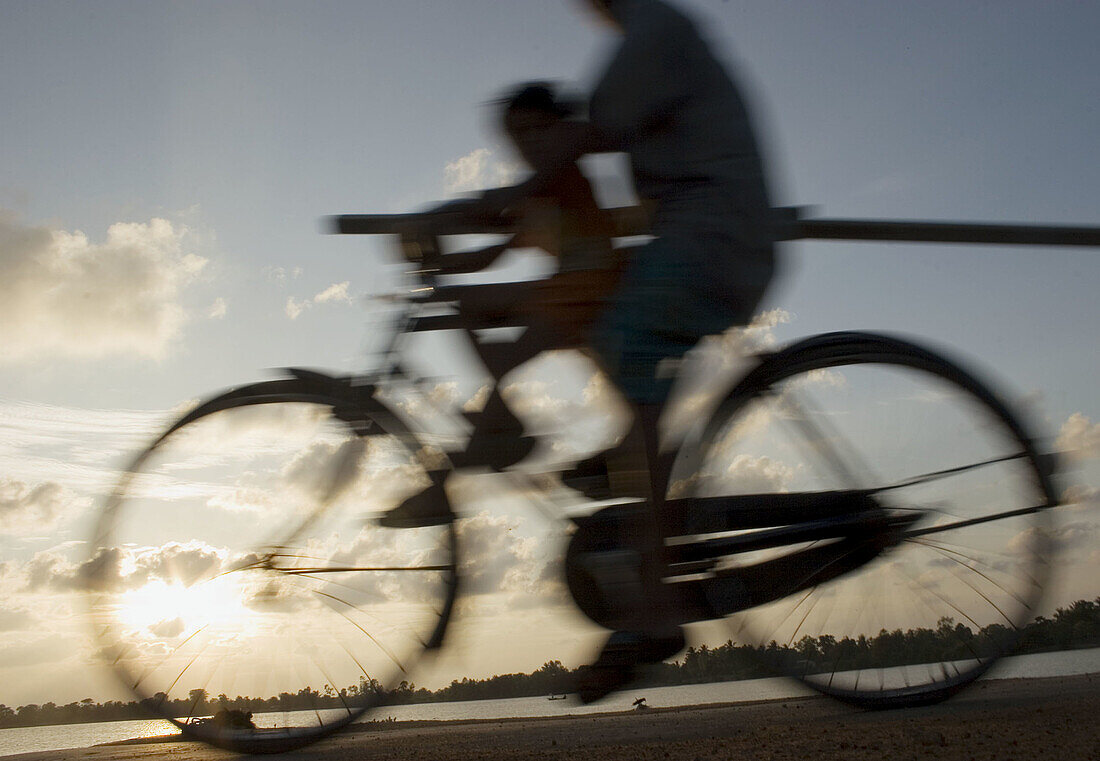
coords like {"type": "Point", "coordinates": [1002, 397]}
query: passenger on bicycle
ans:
{"type": "Point", "coordinates": [563, 219]}
{"type": "Point", "coordinates": [667, 101]}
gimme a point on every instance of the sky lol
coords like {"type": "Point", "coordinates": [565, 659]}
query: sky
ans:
{"type": "Point", "coordinates": [164, 168]}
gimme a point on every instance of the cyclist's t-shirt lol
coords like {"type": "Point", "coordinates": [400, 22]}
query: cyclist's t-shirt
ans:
{"type": "Point", "coordinates": [668, 102]}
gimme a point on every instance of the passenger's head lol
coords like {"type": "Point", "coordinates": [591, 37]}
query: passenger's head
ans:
{"type": "Point", "coordinates": [530, 114]}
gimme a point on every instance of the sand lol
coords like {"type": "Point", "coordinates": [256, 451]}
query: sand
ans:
{"type": "Point", "coordinates": [998, 720]}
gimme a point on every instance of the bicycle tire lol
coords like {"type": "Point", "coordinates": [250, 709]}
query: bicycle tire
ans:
{"type": "Point", "coordinates": [978, 552]}
{"type": "Point", "coordinates": [249, 567]}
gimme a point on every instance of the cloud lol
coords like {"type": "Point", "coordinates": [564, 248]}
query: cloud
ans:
{"type": "Point", "coordinates": [168, 629]}
{"type": "Point", "coordinates": [117, 569]}
{"type": "Point", "coordinates": [1079, 438]}
{"type": "Point", "coordinates": [324, 470]}
{"type": "Point", "coordinates": [31, 508]}
{"type": "Point", "coordinates": [217, 310]}
{"type": "Point", "coordinates": [477, 170]}
{"type": "Point", "coordinates": [281, 274]}
{"type": "Point", "coordinates": [1081, 497]}
{"type": "Point", "coordinates": [38, 439]}
{"type": "Point", "coordinates": [759, 474]}
{"type": "Point", "coordinates": [15, 620]}
{"type": "Point", "coordinates": [335, 293]}
{"type": "Point", "coordinates": [1066, 540]}
{"type": "Point", "coordinates": [64, 295]}
{"type": "Point", "coordinates": [562, 396]}
{"type": "Point", "coordinates": [712, 368]}
{"type": "Point", "coordinates": [40, 652]}
{"type": "Point", "coordinates": [294, 307]}
{"type": "Point", "coordinates": [494, 557]}
{"type": "Point", "coordinates": [477, 401]}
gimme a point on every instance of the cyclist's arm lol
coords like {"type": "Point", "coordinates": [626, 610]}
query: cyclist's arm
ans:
{"type": "Point", "coordinates": [464, 262]}
{"type": "Point", "coordinates": [572, 139]}
{"type": "Point", "coordinates": [648, 77]}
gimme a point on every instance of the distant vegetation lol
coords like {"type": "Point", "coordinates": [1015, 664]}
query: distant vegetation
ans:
{"type": "Point", "coordinates": [1075, 626]}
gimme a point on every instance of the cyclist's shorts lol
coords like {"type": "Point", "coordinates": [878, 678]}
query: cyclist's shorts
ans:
{"type": "Point", "coordinates": [677, 288]}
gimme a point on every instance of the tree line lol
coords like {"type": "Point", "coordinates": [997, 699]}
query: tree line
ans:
{"type": "Point", "coordinates": [1075, 626]}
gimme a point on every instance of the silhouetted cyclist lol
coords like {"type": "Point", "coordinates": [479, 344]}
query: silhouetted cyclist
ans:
{"type": "Point", "coordinates": [670, 104]}
{"type": "Point", "coordinates": [665, 100]}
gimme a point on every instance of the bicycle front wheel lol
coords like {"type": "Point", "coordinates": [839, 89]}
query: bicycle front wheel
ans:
{"type": "Point", "coordinates": [240, 585]}
{"type": "Point", "coordinates": [947, 553]}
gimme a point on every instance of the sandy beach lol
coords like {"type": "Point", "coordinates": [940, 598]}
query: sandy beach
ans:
{"type": "Point", "coordinates": [1052, 718]}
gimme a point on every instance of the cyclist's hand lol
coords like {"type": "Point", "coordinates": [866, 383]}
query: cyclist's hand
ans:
{"type": "Point", "coordinates": [540, 227]}
{"type": "Point", "coordinates": [456, 206]}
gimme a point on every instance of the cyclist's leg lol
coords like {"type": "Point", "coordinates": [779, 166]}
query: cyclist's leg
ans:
{"type": "Point", "coordinates": [688, 284]}
{"type": "Point", "coordinates": [660, 313]}
{"type": "Point", "coordinates": [631, 340]}
{"type": "Point", "coordinates": [498, 438]}
{"type": "Point", "coordinates": [634, 340]}
{"type": "Point", "coordinates": [557, 312]}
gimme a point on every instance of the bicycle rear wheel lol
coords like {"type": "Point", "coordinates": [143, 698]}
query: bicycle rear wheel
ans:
{"type": "Point", "coordinates": [238, 577]}
{"type": "Point", "coordinates": [947, 563]}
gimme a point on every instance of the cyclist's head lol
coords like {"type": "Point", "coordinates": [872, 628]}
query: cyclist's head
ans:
{"type": "Point", "coordinates": [530, 113]}
{"type": "Point", "coordinates": [605, 10]}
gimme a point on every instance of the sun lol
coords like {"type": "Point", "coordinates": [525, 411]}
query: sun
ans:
{"type": "Point", "coordinates": [169, 611]}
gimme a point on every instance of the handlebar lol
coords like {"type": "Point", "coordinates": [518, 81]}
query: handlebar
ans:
{"type": "Point", "coordinates": [626, 221]}
{"type": "Point", "coordinates": [404, 224]}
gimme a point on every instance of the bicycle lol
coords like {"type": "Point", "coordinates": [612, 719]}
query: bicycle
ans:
{"type": "Point", "coordinates": [846, 485]}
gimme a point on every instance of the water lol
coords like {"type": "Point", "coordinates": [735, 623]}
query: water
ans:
{"type": "Point", "coordinates": [32, 739]}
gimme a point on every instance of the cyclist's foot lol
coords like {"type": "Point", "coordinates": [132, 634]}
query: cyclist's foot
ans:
{"type": "Point", "coordinates": [589, 477]}
{"type": "Point", "coordinates": [426, 508]}
{"type": "Point", "coordinates": [620, 658]}
{"type": "Point", "coordinates": [497, 440]}
{"type": "Point", "coordinates": [494, 449]}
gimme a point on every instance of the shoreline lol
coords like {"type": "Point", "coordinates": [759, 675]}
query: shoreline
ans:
{"type": "Point", "coordinates": [387, 725]}
{"type": "Point", "coordinates": [640, 686]}
{"type": "Point", "coordinates": [1037, 718]}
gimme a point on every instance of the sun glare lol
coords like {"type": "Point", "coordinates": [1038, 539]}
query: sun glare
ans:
{"type": "Point", "coordinates": [167, 612]}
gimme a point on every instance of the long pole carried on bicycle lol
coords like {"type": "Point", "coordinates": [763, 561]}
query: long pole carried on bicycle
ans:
{"type": "Point", "coordinates": [944, 232]}
{"type": "Point", "coordinates": [632, 220]}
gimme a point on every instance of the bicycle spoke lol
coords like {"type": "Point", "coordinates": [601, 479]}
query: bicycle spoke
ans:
{"type": "Point", "coordinates": [270, 559]}
{"type": "Point", "coordinates": [957, 549]}
{"type": "Point", "coordinates": [359, 569]}
{"type": "Point", "coordinates": [954, 556]}
{"type": "Point", "coordinates": [165, 659]}
{"type": "Point", "coordinates": [924, 591]}
{"type": "Point", "coordinates": [919, 532]}
{"type": "Point", "coordinates": [979, 592]}
{"type": "Point", "coordinates": [964, 494]}
{"type": "Point", "coordinates": [939, 474]}
{"type": "Point", "coordinates": [816, 442]}
{"type": "Point", "coordinates": [372, 638]}
{"type": "Point", "coordinates": [809, 610]}
{"type": "Point", "coordinates": [341, 477]}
